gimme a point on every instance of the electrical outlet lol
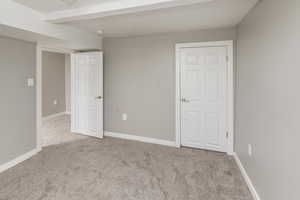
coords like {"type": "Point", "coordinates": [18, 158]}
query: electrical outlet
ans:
{"type": "Point", "coordinates": [250, 150]}
{"type": "Point", "coordinates": [124, 116]}
{"type": "Point", "coordinates": [30, 82]}
{"type": "Point", "coordinates": [55, 102]}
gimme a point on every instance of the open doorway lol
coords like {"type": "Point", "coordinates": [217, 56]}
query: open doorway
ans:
{"type": "Point", "coordinates": [56, 99]}
{"type": "Point", "coordinates": [69, 96]}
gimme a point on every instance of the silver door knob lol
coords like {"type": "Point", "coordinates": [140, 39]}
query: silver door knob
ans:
{"type": "Point", "coordinates": [99, 97]}
{"type": "Point", "coordinates": [185, 100]}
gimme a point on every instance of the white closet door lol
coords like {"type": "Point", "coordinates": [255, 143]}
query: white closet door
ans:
{"type": "Point", "coordinates": [87, 94]}
{"type": "Point", "coordinates": [203, 97]}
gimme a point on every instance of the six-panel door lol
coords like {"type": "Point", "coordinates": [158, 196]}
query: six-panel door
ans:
{"type": "Point", "coordinates": [87, 94]}
{"type": "Point", "coordinates": [203, 97]}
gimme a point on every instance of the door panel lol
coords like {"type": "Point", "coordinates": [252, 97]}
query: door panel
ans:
{"type": "Point", "coordinates": [203, 93]}
{"type": "Point", "coordinates": [87, 83]}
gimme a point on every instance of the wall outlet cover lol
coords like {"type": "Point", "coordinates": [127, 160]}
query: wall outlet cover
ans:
{"type": "Point", "coordinates": [249, 149]}
{"type": "Point", "coordinates": [30, 82]}
{"type": "Point", "coordinates": [124, 116]}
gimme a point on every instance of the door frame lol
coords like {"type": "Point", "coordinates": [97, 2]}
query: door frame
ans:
{"type": "Point", "coordinates": [229, 90]}
{"type": "Point", "coordinates": [38, 83]}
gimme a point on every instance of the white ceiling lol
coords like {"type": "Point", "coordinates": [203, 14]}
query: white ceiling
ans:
{"type": "Point", "coordinates": [57, 5]}
{"type": "Point", "coordinates": [216, 14]}
{"type": "Point", "coordinates": [204, 15]}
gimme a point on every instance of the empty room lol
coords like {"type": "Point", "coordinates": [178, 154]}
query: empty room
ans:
{"type": "Point", "coordinates": [149, 99]}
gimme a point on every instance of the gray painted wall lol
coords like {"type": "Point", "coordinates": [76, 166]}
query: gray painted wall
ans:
{"type": "Point", "coordinates": [139, 79]}
{"type": "Point", "coordinates": [17, 102]}
{"type": "Point", "coordinates": [267, 103]}
{"type": "Point", "coordinates": [53, 83]}
{"type": "Point", "coordinates": [68, 82]}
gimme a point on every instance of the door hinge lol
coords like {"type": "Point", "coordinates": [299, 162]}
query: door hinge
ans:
{"type": "Point", "coordinates": [227, 134]}
{"type": "Point", "coordinates": [227, 58]}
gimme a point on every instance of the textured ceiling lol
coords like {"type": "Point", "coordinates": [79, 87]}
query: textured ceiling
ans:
{"type": "Point", "coordinates": [56, 5]}
{"type": "Point", "coordinates": [215, 14]}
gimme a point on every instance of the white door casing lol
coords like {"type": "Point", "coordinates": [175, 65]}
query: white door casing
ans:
{"type": "Point", "coordinates": [204, 96]}
{"type": "Point", "coordinates": [39, 50]}
{"type": "Point", "coordinates": [87, 93]}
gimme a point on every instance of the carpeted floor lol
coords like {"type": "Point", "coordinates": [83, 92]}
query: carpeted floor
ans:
{"type": "Point", "coordinates": [57, 130]}
{"type": "Point", "coordinates": [113, 169]}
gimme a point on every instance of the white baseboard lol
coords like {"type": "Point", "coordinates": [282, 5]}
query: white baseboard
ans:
{"type": "Point", "coordinates": [246, 177]}
{"type": "Point", "coordinates": [18, 160]}
{"type": "Point", "coordinates": [55, 115]}
{"type": "Point", "coordinates": [140, 139]}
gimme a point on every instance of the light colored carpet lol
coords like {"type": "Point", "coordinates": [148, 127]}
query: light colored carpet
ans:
{"type": "Point", "coordinates": [113, 169]}
{"type": "Point", "coordinates": [57, 131]}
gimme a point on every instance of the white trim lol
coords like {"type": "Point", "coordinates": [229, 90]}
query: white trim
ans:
{"type": "Point", "coordinates": [39, 97]}
{"type": "Point", "coordinates": [55, 115]}
{"type": "Point", "coordinates": [18, 160]}
{"type": "Point", "coordinates": [139, 138]}
{"type": "Point", "coordinates": [177, 98]}
{"type": "Point", "coordinates": [205, 44]}
{"type": "Point", "coordinates": [56, 50]}
{"type": "Point", "coordinates": [230, 98]}
{"type": "Point", "coordinates": [230, 89]}
{"type": "Point", "coordinates": [73, 106]}
{"type": "Point", "coordinates": [246, 177]}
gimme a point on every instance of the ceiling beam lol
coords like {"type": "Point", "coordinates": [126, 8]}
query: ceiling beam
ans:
{"type": "Point", "coordinates": [115, 8]}
{"type": "Point", "coordinates": [27, 24]}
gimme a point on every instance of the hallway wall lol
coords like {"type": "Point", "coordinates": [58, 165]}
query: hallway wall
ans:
{"type": "Point", "coordinates": [53, 83]}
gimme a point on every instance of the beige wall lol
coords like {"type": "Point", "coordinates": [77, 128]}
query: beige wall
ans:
{"type": "Point", "coordinates": [68, 82]}
{"type": "Point", "coordinates": [139, 79]}
{"type": "Point", "coordinates": [18, 101]}
{"type": "Point", "coordinates": [267, 104]}
{"type": "Point", "coordinates": [53, 83]}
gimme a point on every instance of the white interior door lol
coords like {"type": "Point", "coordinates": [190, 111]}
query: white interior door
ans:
{"type": "Point", "coordinates": [87, 94]}
{"type": "Point", "coordinates": [203, 97]}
